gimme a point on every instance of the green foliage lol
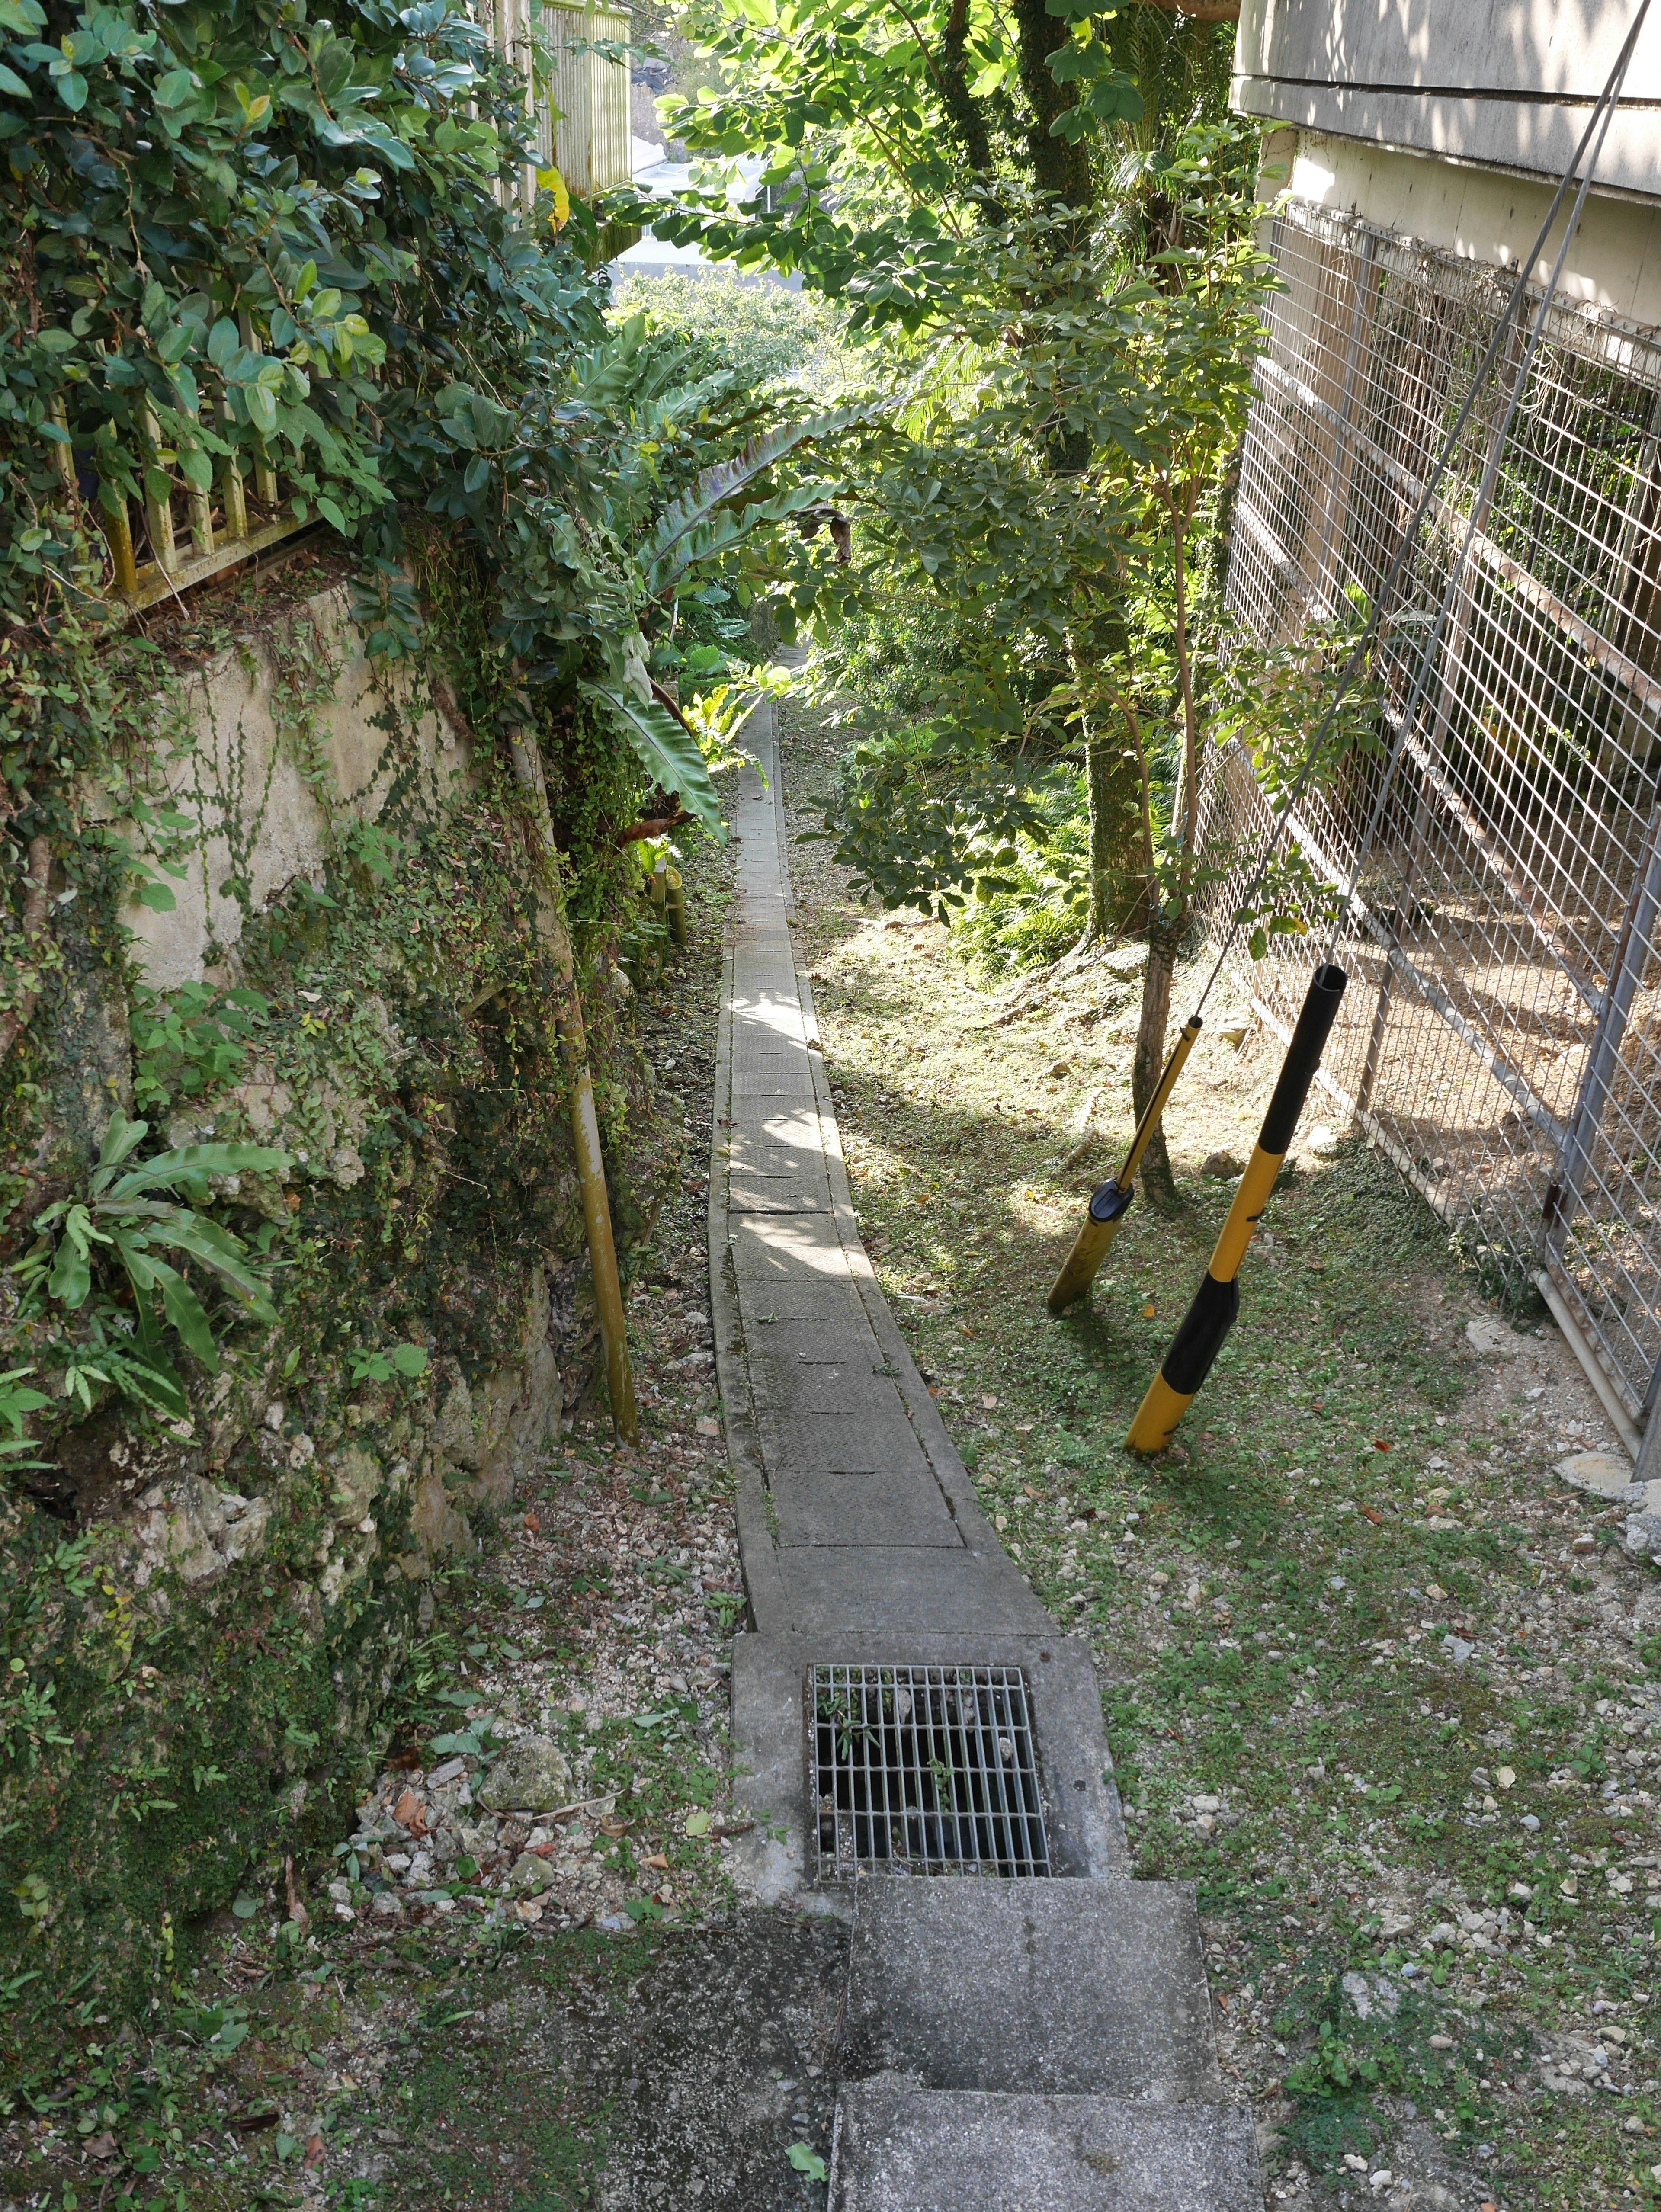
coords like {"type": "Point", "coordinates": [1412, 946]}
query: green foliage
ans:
{"type": "Point", "coordinates": [922, 821]}
{"type": "Point", "coordinates": [121, 1338]}
{"type": "Point", "coordinates": [190, 1040]}
{"type": "Point", "coordinates": [715, 717]}
{"type": "Point", "coordinates": [212, 222]}
{"type": "Point", "coordinates": [597, 498]}
{"type": "Point", "coordinates": [1042, 906]}
{"type": "Point", "coordinates": [768, 334]}
{"type": "Point", "coordinates": [240, 240]}
{"type": "Point", "coordinates": [951, 109]}
{"type": "Point", "coordinates": [17, 1402]}
{"type": "Point", "coordinates": [407, 1359]}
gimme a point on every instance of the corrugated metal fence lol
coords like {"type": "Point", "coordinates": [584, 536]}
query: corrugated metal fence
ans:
{"type": "Point", "coordinates": [1501, 1037]}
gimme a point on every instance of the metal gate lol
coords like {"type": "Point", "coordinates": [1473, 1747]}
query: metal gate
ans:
{"type": "Point", "coordinates": [1501, 1036]}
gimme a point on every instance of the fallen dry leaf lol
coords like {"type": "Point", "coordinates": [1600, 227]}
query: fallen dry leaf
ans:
{"type": "Point", "coordinates": [410, 1812]}
{"type": "Point", "coordinates": [656, 1859]}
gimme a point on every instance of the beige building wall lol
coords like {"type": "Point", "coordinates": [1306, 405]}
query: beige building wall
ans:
{"type": "Point", "coordinates": [1479, 215]}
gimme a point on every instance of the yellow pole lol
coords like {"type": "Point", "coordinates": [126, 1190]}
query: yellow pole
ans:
{"type": "Point", "coordinates": [1110, 1204]}
{"type": "Point", "coordinates": [585, 1122]}
{"type": "Point", "coordinates": [1217, 1301]}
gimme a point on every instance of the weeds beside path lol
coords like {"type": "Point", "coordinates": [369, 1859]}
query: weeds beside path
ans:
{"type": "Point", "coordinates": [1375, 1680]}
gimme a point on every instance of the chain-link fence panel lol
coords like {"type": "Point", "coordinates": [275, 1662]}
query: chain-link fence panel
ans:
{"type": "Point", "coordinates": [1501, 1036]}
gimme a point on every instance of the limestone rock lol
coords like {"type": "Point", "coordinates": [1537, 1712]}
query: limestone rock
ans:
{"type": "Point", "coordinates": [437, 1528]}
{"type": "Point", "coordinates": [1492, 1338]}
{"type": "Point", "coordinates": [198, 1529]}
{"type": "Point", "coordinates": [1605, 1475]}
{"type": "Point", "coordinates": [346, 1165]}
{"type": "Point", "coordinates": [531, 1776]}
{"type": "Point", "coordinates": [1642, 1534]}
{"type": "Point", "coordinates": [455, 1432]}
{"type": "Point", "coordinates": [1223, 1165]}
{"type": "Point", "coordinates": [357, 1480]}
{"type": "Point", "coordinates": [530, 1876]}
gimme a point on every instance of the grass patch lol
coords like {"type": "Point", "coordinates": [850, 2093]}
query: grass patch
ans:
{"type": "Point", "coordinates": [1378, 1681]}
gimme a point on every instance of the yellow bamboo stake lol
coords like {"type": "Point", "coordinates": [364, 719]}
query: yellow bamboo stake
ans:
{"type": "Point", "coordinates": [585, 1122]}
{"type": "Point", "coordinates": [1110, 1204]}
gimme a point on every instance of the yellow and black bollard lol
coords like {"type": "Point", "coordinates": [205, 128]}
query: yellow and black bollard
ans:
{"type": "Point", "coordinates": [1217, 1301]}
{"type": "Point", "coordinates": [1110, 1204]}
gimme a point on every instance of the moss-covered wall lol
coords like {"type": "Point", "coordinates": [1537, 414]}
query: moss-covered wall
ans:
{"type": "Point", "coordinates": [334, 955]}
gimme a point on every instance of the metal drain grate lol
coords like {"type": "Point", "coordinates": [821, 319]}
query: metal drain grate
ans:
{"type": "Point", "coordinates": [925, 1770]}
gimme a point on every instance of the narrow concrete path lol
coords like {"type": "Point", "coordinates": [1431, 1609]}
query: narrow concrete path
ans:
{"type": "Point", "coordinates": [1026, 2044]}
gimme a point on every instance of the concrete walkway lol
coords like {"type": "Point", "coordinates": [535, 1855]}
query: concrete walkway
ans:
{"type": "Point", "coordinates": [1019, 2045]}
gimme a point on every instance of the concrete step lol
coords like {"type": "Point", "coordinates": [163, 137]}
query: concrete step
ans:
{"type": "Point", "coordinates": [1081, 1987]}
{"type": "Point", "coordinates": [902, 2150]}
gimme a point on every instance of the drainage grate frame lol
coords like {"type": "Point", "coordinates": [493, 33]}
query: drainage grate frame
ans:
{"type": "Point", "coordinates": [924, 1771]}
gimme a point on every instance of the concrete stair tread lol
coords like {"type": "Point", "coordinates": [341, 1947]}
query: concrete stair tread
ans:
{"type": "Point", "coordinates": [1075, 1987]}
{"type": "Point", "coordinates": [899, 2148]}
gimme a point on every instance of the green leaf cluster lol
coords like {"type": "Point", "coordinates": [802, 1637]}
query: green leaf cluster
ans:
{"type": "Point", "coordinates": [129, 1214]}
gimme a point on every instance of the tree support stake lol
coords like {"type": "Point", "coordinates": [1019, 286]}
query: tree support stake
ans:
{"type": "Point", "coordinates": [1110, 1204]}
{"type": "Point", "coordinates": [585, 1123]}
{"type": "Point", "coordinates": [1217, 1301]}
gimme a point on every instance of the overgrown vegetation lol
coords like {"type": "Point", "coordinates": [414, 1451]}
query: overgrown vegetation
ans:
{"type": "Point", "coordinates": [1055, 259]}
{"type": "Point", "coordinates": [268, 1229]}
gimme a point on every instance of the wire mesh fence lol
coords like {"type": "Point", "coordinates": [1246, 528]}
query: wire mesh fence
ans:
{"type": "Point", "coordinates": [1501, 1035]}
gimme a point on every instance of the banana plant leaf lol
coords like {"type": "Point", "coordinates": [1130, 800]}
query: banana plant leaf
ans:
{"type": "Point", "coordinates": [669, 753]}
{"type": "Point", "coordinates": [663, 556]}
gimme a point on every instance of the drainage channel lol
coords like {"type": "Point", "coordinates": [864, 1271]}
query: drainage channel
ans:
{"type": "Point", "coordinates": [1028, 2029]}
{"type": "Point", "coordinates": [924, 1770]}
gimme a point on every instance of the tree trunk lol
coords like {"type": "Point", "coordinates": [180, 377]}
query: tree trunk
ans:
{"type": "Point", "coordinates": [1157, 1178]}
{"type": "Point", "coordinates": [1061, 168]}
{"type": "Point", "coordinates": [1100, 765]}
{"type": "Point", "coordinates": [1088, 650]}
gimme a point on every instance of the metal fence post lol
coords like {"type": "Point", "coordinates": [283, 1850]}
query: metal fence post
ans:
{"type": "Point", "coordinates": [1562, 1199]}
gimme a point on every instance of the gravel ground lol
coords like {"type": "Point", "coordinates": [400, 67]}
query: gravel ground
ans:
{"type": "Point", "coordinates": [1377, 1677]}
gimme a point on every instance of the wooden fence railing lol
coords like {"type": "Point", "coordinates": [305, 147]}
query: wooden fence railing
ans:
{"type": "Point", "coordinates": [579, 98]}
{"type": "Point", "coordinates": [591, 91]}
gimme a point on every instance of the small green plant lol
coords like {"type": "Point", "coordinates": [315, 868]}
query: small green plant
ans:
{"type": "Point", "coordinates": [382, 1366]}
{"type": "Point", "coordinates": [715, 717]}
{"type": "Point", "coordinates": [16, 1404]}
{"type": "Point", "coordinates": [192, 1040]}
{"type": "Point", "coordinates": [119, 1220]}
